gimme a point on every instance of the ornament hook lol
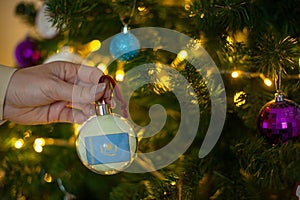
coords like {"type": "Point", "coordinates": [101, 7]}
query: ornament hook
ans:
{"type": "Point", "coordinates": [102, 107]}
{"type": "Point", "coordinates": [278, 94]}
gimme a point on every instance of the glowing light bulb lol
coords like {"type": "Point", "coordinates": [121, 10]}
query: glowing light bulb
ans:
{"type": "Point", "coordinates": [120, 72]}
{"type": "Point", "coordinates": [120, 75]}
{"type": "Point", "coordinates": [182, 55]}
{"type": "Point", "coordinates": [38, 144]}
{"type": "Point", "coordinates": [38, 148]}
{"type": "Point", "coordinates": [39, 141]}
{"type": "Point", "coordinates": [19, 143]}
{"type": "Point", "coordinates": [235, 74]}
{"type": "Point", "coordinates": [268, 82]}
{"type": "Point", "coordinates": [94, 45]}
{"type": "Point", "coordinates": [173, 183]}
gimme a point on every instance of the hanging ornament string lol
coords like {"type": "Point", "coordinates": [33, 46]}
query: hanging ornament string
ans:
{"type": "Point", "coordinates": [123, 18]}
{"type": "Point", "coordinates": [115, 88]}
{"type": "Point", "coordinates": [279, 96]}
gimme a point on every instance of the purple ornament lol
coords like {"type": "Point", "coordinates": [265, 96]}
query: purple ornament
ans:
{"type": "Point", "coordinates": [26, 53]}
{"type": "Point", "coordinates": [279, 121]}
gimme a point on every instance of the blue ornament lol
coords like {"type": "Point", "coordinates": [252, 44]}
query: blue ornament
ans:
{"type": "Point", "coordinates": [124, 46]}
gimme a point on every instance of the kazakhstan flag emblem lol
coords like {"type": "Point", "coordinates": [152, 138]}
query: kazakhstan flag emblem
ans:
{"type": "Point", "coordinates": [103, 149]}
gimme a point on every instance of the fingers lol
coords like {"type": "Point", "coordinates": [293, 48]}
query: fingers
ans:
{"type": "Point", "coordinates": [74, 73]}
{"type": "Point", "coordinates": [89, 74]}
{"type": "Point", "coordinates": [69, 115]}
{"type": "Point", "coordinates": [77, 83]}
{"type": "Point", "coordinates": [77, 93]}
{"type": "Point", "coordinates": [86, 109]}
{"type": "Point", "coordinates": [60, 112]}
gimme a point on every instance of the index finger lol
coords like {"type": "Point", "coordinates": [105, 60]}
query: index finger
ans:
{"type": "Point", "coordinates": [75, 73]}
{"type": "Point", "coordinates": [88, 74]}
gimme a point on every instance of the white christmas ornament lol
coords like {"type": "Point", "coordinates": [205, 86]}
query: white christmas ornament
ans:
{"type": "Point", "coordinates": [44, 25]}
{"type": "Point", "coordinates": [65, 54]}
{"type": "Point", "coordinates": [106, 143]}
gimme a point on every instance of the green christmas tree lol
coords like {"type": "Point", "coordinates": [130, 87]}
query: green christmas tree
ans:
{"type": "Point", "coordinates": [248, 40]}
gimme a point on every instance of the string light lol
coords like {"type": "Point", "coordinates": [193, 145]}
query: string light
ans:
{"type": "Point", "coordinates": [120, 75]}
{"type": "Point", "coordinates": [182, 55]}
{"type": "Point", "coordinates": [94, 45]}
{"type": "Point", "coordinates": [38, 148]}
{"type": "Point", "coordinates": [39, 141]}
{"type": "Point", "coordinates": [19, 143]}
{"type": "Point", "coordinates": [38, 144]}
{"type": "Point", "coordinates": [235, 74]}
{"type": "Point", "coordinates": [268, 82]}
{"type": "Point", "coordinates": [120, 72]}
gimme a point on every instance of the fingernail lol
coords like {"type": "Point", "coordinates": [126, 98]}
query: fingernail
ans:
{"type": "Point", "coordinates": [100, 87]}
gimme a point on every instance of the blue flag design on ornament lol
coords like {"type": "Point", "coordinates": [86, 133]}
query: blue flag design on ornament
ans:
{"type": "Point", "coordinates": [103, 149]}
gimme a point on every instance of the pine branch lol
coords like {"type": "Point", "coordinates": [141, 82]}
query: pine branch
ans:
{"type": "Point", "coordinates": [273, 53]}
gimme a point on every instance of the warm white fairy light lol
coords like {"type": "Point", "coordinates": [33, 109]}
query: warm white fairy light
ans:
{"type": "Point", "coordinates": [38, 148]}
{"type": "Point", "coordinates": [38, 144]}
{"type": "Point", "coordinates": [268, 82]}
{"type": "Point", "coordinates": [235, 74]}
{"type": "Point", "coordinates": [120, 75]}
{"type": "Point", "coordinates": [182, 55]}
{"type": "Point", "coordinates": [120, 72]}
{"type": "Point", "coordinates": [94, 45]}
{"type": "Point", "coordinates": [19, 143]}
{"type": "Point", "coordinates": [39, 141]}
{"type": "Point", "coordinates": [173, 183]}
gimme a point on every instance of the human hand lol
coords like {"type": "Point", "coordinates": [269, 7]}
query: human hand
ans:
{"type": "Point", "coordinates": [53, 92]}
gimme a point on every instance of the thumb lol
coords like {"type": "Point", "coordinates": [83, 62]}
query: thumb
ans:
{"type": "Point", "coordinates": [80, 94]}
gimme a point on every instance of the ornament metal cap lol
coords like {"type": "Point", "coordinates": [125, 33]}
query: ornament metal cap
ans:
{"type": "Point", "coordinates": [102, 108]}
{"type": "Point", "coordinates": [278, 97]}
{"type": "Point", "coordinates": [125, 29]}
